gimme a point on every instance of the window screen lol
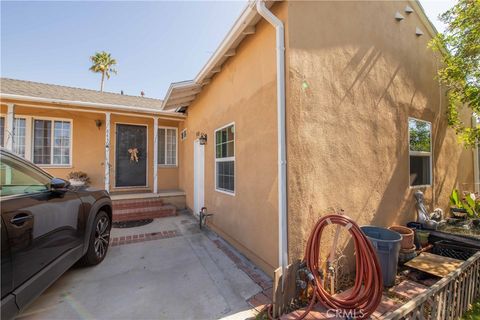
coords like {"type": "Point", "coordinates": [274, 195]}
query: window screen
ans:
{"type": "Point", "coordinates": [167, 146]}
{"type": "Point", "coordinates": [225, 159]}
{"type": "Point", "coordinates": [52, 142]}
{"type": "Point", "coordinates": [19, 135]}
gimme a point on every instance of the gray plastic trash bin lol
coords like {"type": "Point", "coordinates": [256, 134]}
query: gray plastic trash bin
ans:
{"type": "Point", "coordinates": [387, 244]}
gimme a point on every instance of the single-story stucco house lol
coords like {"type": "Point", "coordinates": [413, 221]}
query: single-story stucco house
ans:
{"type": "Point", "coordinates": [304, 107]}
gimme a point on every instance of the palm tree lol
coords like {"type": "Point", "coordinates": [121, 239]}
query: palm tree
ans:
{"type": "Point", "coordinates": [103, 63]}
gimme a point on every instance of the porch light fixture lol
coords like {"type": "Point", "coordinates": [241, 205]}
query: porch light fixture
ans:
{"type": "Point", "coordinates": [202, 137]}
{"type": "Point", "coordinates": [98, 123]}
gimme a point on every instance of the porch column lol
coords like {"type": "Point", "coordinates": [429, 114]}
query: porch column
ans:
{"type": "Point", "coordinates": [9, 126]}
{"type": "Point", "coordinates": [155, 154]}
{"type": "Point", "coordinates": [107, 151]}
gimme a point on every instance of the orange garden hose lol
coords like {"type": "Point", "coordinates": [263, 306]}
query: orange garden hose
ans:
{"type": "Point", "coordinates": [366, 294]}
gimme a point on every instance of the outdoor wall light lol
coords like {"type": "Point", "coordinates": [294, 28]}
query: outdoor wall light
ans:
{"type": "Point", "coordinates": [98, 123]}
{"type": "Point", "coordinates": [202, 137]}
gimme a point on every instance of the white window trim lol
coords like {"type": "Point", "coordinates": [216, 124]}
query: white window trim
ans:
{"type": "Point", "coordinates": [230, 193]}
{"type": "Point", "coordinates": [31, 144]}
{"type": "Point", "coordinates": [28, 135]}
{"type": "Point", "coordinates": [176, 148]}
{"type": "Point", "coordinates": [421, 154]}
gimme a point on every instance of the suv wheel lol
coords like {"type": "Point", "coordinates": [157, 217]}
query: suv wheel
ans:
{"type": "Point", "coordinates": [99, 240]}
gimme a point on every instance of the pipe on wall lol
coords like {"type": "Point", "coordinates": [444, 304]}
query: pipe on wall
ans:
{"type": "Point", "coordinates": [282, 154]}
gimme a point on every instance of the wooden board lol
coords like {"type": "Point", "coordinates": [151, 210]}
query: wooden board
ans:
{"type": "Point", "coordinates": [283, 298]}
{"type": "Point", "coordinates": [434, 264]}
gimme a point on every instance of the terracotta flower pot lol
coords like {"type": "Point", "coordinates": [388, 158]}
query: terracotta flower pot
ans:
{"type": "Point", "coordinates": [407, 236]}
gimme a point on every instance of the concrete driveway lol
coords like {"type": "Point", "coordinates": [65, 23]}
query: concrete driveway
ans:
{"type": "Point", "coordinates": [183, 275]}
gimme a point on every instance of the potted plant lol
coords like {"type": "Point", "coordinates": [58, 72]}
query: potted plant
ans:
{"type": "Point", "coordinates": [78, 179]}
{"type": "Point", "coordinates": [457, 207]}
{"type": "Point", "coordinates": [471, 203]}
{"type": "Point", "coordinates": [465, 207]}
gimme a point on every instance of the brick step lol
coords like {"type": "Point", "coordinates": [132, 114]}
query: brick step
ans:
{"type": "Point", "coordinates": [137, 203]}
{"type": "Point", "coordinates": [144, 213]}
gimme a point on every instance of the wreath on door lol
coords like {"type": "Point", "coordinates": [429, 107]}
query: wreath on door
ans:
{"type": "Point", "coordinates": [133, 154]}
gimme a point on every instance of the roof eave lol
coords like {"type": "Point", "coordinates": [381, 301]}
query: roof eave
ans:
{"type": "Point", "coordinates": [242, 27]}
{"type": "Point", "coordinates": [90, 105]}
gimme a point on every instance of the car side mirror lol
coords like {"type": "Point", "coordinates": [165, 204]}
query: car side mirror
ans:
{"type": "Point", "coordinates": [59, 184]}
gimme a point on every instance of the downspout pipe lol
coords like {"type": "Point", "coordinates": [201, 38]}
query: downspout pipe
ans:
{"type": "Point", "coordinates": [282, 154]}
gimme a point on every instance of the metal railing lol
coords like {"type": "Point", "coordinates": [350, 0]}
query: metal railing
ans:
{"type": "Point", "coordinates": [448, 299]}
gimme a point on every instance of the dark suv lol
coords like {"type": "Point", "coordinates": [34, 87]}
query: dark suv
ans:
{"type": "Point", "coordinates": [47, 226]}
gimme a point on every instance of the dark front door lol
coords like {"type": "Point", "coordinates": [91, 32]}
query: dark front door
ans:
{"type": "Point", "coordinates": [131, 156]}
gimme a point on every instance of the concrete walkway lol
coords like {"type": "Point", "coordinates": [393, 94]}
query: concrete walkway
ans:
{"type": "Point", "coordinates": [181, 277]}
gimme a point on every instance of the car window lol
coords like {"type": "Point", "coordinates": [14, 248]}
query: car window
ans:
{"type": "Point", "coordinates": [18, 178]}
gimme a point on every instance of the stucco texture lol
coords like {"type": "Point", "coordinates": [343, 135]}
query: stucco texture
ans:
{"type": "Point", "coordinates": [88, 143]}
{"type": "Point", "coordinates": [355, 76]}
{"type": "Point", "coordinates": [244, 92]}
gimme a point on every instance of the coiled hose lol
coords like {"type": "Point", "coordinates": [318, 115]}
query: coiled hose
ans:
{"type": "Point", "coordinates": [366, 294]}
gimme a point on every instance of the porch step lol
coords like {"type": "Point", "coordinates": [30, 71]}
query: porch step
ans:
{"type": "Point", "coordinates": [141, 208]}
{"type": "Point", "coordinates": [137, 203]}
{"type": "Point", "coordinates": [145, 212]}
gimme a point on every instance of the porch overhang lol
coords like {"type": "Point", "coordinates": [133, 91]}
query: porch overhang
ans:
{"type": "Point", "coordinates": [90, 106]}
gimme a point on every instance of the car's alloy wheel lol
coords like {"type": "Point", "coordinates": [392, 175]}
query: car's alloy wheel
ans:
{"type": "Point", "coordinates": [102, 236]}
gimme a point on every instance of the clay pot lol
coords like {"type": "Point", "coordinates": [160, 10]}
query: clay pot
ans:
{"type": "Point", "coordinates": [407, 236]}
{"type": "Point", "coordinates": [406, 255]}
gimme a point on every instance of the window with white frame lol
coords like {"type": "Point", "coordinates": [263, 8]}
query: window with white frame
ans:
{"type": "Point", "coordinates": [420, 147]}
{"type": "Point", "coordinates": [167, 146]}
{"type": "Point", "coordinates": [51, 142]}
{"type": "Point", "coordinates": [225, 159]}
{"type": "Point", "coordinates": [19, 136]}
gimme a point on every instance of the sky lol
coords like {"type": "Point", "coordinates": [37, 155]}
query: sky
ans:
{"type": "Point", "coordinates": [155, 43]}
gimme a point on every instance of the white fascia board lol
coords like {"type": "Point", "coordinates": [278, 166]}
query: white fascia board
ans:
{"type": "Point", "coordinates": [177, 86]}
{"type": "Point", "coordinates": [88, 104]}
{"type": "Point", "coordinates": [417, 7]}
{"type": "Point", "coordinates": [243, 21]}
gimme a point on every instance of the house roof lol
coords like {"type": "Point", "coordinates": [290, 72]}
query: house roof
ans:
{"type": "Point", "coordinates": [182, 94]}
{"type": "Point", "coordinates": [57, 92]}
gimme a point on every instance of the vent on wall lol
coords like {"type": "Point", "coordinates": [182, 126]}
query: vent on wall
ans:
{"type": "Point", "coordinates": [181, 109]}
{"type": "Point", "coordinates": [398, 16]}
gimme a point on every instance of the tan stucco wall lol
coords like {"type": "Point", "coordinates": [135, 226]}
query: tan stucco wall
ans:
{"type": "Point", "coordinates": [88, 151]}
{"type": "Point", "coordinates": [244, 93]}
{"type": "Point", "coordinates": [355, 76]}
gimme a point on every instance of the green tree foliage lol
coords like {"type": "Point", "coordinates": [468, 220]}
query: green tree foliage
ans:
{"type": "Point", "coordinates": [102, 62]}
{"type": "Point", "coordinates": [460, 47]}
